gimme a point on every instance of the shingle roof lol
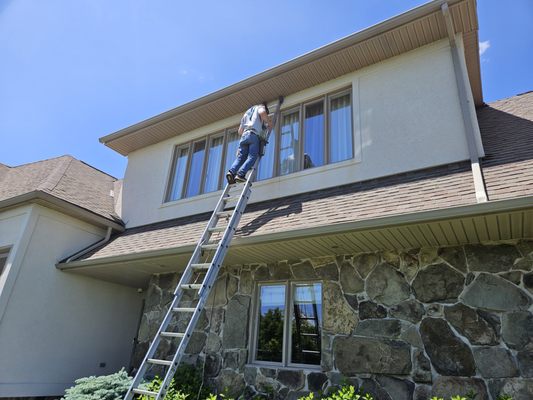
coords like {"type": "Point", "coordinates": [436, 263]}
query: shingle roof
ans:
{"type": "Point", "coordinates": [65, 178]}
{"type": "Point", "coordinates": [507, 132]}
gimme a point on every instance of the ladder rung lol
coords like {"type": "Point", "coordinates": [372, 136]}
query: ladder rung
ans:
{"type": "Point", "coordinates": [192, 286]}
{"type": "Point", "coordinates": [210, 246]}
{"type": "Point", "coordinates": [184, 309]}
{"type": "Point", "coordinates": [145, 392]}
{"type": "Point", "coordinates": [201, 266]}
{"type": "Point", "coordinates": [159, 362]}
{"type": "Point", "coordinates": [309, 334]}
{"type": "Point", "coordinates": [173, 334]}
{"type": "Point", "coordinates": [224, 214]}
{"type": "Point", "coordinates": [231, 198]}
{"type": "Point", "coordinates": [217, 229]}
{"type": "Point", "coordinates": [310, 351]}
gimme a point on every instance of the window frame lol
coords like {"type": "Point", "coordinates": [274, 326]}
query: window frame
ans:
{"type": "Point", "coordinates": [287, 325]}
{"type": "Point", "coordinates": [300, 107]}
{"type": "Point", "coordinates": [332, 96]}
{"type": "Point", "coordinates": [4, 256]}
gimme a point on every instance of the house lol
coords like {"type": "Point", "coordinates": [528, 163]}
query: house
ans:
{"type": "Point", "coordinates": [388, 239]}
{"type": "Point", "coordinates": [56, 327]}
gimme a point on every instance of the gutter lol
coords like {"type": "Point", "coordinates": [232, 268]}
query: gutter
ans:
{"type": "Point", "coordinates": [468, 119]}
{"type": "Point", "coordinates": [382, 27]}
{"type": "Point", "coordinates": [46, 199]}
{"type": "Point", "coordinates": [375, 223]}
{"type": "Point", "coordinates": [91, 247]}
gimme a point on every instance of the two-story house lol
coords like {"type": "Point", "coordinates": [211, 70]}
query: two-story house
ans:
{"type": "Point", "coordinates": [388, 237]}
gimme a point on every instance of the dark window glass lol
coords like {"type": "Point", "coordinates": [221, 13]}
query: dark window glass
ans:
{"type": "Point", "coordinates": [314, 135]}
{"type": "Point", "coordinates": [306, 323]}
{"type": "Point", "coordinates": [195, 171]}
{"type": "Point", "coordinates": [231, 149]}
{"type": "Point", "coordinates": [271, 321]}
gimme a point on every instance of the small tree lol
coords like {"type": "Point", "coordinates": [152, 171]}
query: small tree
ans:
{"type": "Point", "coordinates": [107, 387]}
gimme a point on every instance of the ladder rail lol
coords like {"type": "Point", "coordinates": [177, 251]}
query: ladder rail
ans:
{"type": "Point", "coordinates": [207, 284]}
{"type": "Point", "coordinates": [187, 274]}
{"type": "Point", "coordinates": [209, 280]}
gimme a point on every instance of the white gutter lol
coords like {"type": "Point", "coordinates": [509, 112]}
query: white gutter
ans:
{"type": "Point", "coordinates": [491, 207]}
{"type": "Point", "coordinates": [91, 247]}
{"type": "Point", "coordinates": [468, 120]}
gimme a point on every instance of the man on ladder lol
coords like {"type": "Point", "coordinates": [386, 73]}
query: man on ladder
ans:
{"type": "Point", "coordinates": [254, 128]}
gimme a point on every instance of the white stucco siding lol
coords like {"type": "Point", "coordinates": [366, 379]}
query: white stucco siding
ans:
{"type": "Point", "coordinates": [57, 326]}
{"type": "Point", "coordinates": [406, 115]}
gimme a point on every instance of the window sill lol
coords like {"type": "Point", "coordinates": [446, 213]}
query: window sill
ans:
{"type": "Point", "coordinates": [265, 182]}
{"type": "Point", "coordinates": [304, 368]}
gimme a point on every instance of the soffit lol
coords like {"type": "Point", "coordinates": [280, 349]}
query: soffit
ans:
{"type": "Point", "coordinates": [393, 37]}
{"type": "Point", "coordinates": [486, 228]}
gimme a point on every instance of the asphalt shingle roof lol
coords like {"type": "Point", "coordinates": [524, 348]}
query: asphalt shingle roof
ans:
{"type": "Point", "coordinates": [65, 178]}
{"type": "Point", "coordinates": [507, 132]}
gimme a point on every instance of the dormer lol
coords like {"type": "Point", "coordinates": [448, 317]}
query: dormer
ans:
{"type": "Point", "coordinates": [399, 96]}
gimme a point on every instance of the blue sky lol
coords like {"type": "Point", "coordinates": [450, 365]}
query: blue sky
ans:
{"type": "Point", "coordinates": [73, 71]}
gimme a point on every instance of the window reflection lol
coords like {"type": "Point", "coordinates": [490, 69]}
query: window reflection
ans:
{"type": "Point", "coordinates": [289, 159]}
{"type": "Point", "coordinates": [306, 323]}
{"type": "Point", "coordinates": [341, 137]}
{"type": "Point", "coordinates": [271, 317]}
{"type": "Point", "coordinates": [266, 164]}
{"type": "Point", "coordinates": [314, 135]}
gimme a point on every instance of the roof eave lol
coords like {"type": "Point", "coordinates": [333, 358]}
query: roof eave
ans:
{"type": "Point", "coordinates": [507, 205]}
{"type": "Point", "coordinates": [360, 36]}
{"type": "Point", "coordinates": [46, 199]}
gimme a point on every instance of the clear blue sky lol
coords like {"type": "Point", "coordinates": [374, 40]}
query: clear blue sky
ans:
{"type": "Point", "coordinates": [73, 71]}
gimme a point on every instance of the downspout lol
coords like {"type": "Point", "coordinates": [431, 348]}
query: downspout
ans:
{"type": "Point", "coordinates": [91, 247]}
{"type": "Point", "coordinates": [462, 87]}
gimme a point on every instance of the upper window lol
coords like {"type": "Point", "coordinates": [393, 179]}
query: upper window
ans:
{"type": "Point", "coordinates": [289, 321]}
{"type": "Point", "coordinates": [309, 135]}
{"type": "Point", "coordinates": [3, 259]}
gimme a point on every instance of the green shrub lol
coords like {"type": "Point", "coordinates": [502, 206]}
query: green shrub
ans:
{"type": "Point", "coordinates": [346, 392]}
{"type": "Point", "coordinates": [107, 387]}
{"type": "Point", "coordinates": [172, 394]}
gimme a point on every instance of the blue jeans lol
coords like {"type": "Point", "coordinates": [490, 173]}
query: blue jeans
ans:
{"type": "Point", "coordinates": [246, 155]}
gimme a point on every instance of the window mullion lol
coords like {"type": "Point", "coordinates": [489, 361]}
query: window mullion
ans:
{"type": "Point", "coordinates": [326, 130]}
{"type": "Point", "coordinates": [187, 170]}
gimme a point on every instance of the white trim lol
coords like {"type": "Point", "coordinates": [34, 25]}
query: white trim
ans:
{"type": "Point", "coordinates": [286, 355]}
{"type": "Point", "coordinates": [466, 104]}
{"type": "Point", "coordinates": [16, 258]}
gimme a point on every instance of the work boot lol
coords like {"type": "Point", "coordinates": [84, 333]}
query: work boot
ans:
{"type": "Point", "coordinates": [230, 178]}
{"type": "Point", "coordinates": [240, 179]}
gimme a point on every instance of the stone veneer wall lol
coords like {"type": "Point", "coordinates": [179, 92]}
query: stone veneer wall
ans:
{"type": "Point", "coordinates": [403, 325]}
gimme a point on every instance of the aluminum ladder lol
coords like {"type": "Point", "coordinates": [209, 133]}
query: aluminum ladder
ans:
{"type": "Point", "coordinates": [217, 249]}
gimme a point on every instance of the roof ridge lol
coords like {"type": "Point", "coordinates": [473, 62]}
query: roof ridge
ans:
{"type": "Point", "coordinates": [50, 183]}
{"type": "Point", "coordinates": [39, 161]}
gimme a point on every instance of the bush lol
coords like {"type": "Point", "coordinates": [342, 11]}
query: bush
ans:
{"type": "Point", "coordinates": [346, 392]}
{"type": "Point", "coordinates": [107, 387]}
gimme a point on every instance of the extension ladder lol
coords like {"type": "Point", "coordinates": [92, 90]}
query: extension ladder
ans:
{"type": "Point", "coordinates": [217, 249]}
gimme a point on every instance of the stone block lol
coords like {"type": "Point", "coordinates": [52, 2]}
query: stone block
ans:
{"type": "Point", "coordinates": [471, 324]}
{"type": "Point", "coordinates": [495, 362]}
{"type": "Point", "coordinates": [369, 309]}
{"type": "Point", "coordinates": [354, 355]}
{"type": "Point", "coordinates": [438, 282]}
{"type": "Point", "coordinates": [495, 293]}
{"type": "Point", "coordinates": [386, 285]}
{"type": "Point", "coordinates": [449, 355]}
{"type": "Point", "coordinates": [409, 310]}
{"type": "Point", "coordinates": [491, 258]}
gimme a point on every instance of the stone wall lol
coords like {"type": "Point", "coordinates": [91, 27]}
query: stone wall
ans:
{"type": "Point", "coordinates": [403, 325]}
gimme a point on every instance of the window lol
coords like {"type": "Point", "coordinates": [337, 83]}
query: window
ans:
{"type": "Point", "coordinates": [214, 160]}
{"type": "Point", "coordinates": [289, 154]}
{"type": "Point", "coordinates": [340, 121]}
{"type": "Point", "coordinates": [3, 259]}
{"type": "Point", "coordinates": [314, 144]}
{"type": "Point", "coordinates": [289, 321]}
{"type": "Point", "coordinates": [312, 134]}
